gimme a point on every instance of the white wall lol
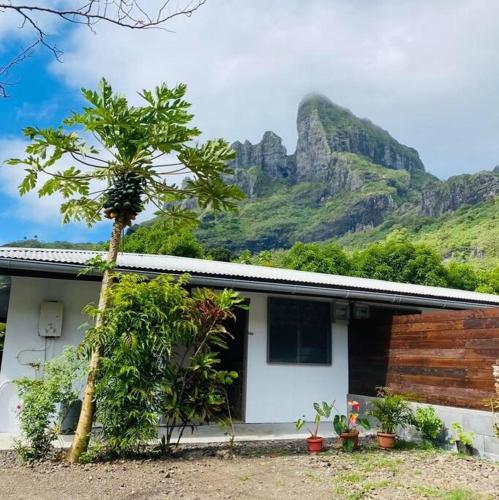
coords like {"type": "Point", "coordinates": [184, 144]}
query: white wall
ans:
{"type": "Point", "coordinates": [23, 345]}
{"type": "Point", "coordinates": [283, 393]}
{"type": "Point", "coordinates": [274, 393]}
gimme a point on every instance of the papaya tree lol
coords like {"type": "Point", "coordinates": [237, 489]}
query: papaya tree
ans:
{"type": "Point", "coordinates": [110, 160]}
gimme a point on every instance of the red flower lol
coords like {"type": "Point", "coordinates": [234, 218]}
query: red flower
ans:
{"type": "Point", "coordinates": [355, 405]}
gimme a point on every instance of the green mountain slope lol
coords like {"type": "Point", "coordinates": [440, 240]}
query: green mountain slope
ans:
{"type": "Point", "coordinates": [350, 181]}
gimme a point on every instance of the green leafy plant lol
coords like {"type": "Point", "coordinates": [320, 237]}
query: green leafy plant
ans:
{"type": "Point", "coordinates": [322, 410]}
{"type": "Point", "coordinates": [40, 400]}
{"type": "Point", "coordinates": [348, 424]}
{"type": "Point", "coordinates": [160, 359]}
{"type": "Point", "coordinates": [390, 410]}
{"type": "Point", "coordinates": [139, 149]}
{"type": "Point", "coordinates": [428, 423]}
{"type": "Point", "coordinates": [466, 438]}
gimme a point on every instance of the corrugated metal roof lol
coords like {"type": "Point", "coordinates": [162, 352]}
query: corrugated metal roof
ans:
{"type": "Point", "coordinates": [167, 263]}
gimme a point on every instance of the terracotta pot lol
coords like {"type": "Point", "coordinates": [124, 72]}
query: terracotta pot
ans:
{"type": "Point", "coordinates": [386, 440]}
{"type": "Point", "coordinates": [315, 444]}
{"type": "Point", "coordinates": [353, 436]}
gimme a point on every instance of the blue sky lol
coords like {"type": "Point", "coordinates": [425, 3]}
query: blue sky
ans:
{"type": "Point", "coordinates": [426, 71]}
{"type": "Point", "coordinates": [36, 97]}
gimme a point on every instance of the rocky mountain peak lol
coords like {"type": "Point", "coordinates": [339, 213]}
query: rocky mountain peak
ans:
{"type": "Point", "coordinates": [324, 127]}
{"type": "Point", "coordinates": [269, 154]}
{"type": "Point", "coordinates": [439, 197]}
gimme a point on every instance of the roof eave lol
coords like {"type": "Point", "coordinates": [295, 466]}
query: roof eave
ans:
{"type": "Point", "coordinates": [258, 285]}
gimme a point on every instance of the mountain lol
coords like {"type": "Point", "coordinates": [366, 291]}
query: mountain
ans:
{"type": "Point", "coordinates": [348, 180]}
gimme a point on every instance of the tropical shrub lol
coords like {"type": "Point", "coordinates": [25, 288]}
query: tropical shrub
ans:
{"type": "Point", "coordinates": [428, 423]}
{"type": "Point", "coordinates": [40, 400]}
{"type": "Point", "coordinates": [195, 388]}
{"type": "Point", "coordinates": [160, 359]}
{"type": "Point", "coordinates": [390, 410]}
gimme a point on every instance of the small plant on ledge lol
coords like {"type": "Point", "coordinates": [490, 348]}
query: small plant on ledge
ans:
{"type": "Point", "coordinates": [314, 441]}
{"type": "Point", "coordinates": [428, 423]}
{"type": "Point", "coordinates": [346, 427]}
{"type": "Point", "coordinates": [463, 439]}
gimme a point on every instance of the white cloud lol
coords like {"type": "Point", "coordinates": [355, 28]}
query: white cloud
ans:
{"type": "Point", "coordinates": [427, 71]}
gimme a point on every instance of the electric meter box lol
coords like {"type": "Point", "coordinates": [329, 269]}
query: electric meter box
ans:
{"type": "Point", "coordinates": [50, 322]}
{"type": "Point", "coordinates": [361, 311]}
{"type": "Point", "coordinates": [341, 311]}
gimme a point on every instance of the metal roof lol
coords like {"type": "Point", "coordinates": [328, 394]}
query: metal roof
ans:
{"type": "Point", "coordinates": [14, 258]}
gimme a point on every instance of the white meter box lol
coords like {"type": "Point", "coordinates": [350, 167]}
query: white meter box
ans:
{"type": "Point", "coordinates": [50, 322]}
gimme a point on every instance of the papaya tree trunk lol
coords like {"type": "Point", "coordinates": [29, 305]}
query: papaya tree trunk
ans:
{"type": "Point", "coordinates": [84, 428]}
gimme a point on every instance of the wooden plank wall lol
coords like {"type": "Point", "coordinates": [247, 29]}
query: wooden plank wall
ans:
{"type": "Point", "coordinates": [443, 358]}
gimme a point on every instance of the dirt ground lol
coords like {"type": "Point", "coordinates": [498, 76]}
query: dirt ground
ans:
{"type": "Point", "coordinates": [261, 471]}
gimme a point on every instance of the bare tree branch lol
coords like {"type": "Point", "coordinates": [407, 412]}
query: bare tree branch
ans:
{"type": "Point", "coordinates": [131, 14]}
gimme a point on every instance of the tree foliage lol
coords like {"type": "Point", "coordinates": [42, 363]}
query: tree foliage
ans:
{"type": "Point", "coordinates": [137, 148]}
{"type": "Point", "coordinates": [320, 258]}
{"type": "Point", "coordinates": [163, 238]}
{"type": "Point", "coordinates": [397, 259]}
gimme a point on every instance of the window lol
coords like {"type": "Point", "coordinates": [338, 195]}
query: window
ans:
{"type": "Point", "coordinates": [299, 331]}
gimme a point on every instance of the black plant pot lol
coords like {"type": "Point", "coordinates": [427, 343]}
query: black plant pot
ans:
{"type": "Point", "coordinates": [465, 449]}
{"type": "Point", "coordinates": [69, 417]}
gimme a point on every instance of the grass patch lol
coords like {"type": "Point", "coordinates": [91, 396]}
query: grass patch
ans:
{"type": "Point", "coordinates": [452, 494]}
{"type": "Point", "coordinates": [371, 461]}
{"type": "Point", "coordinates": [353, 486]}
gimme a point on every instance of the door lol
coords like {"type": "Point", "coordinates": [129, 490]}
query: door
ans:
{"type": "Point", "coordinates": [234, 359]}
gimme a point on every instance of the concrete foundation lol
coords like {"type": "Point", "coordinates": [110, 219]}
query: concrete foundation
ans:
{"type": "Point", "coordinates": [480, 422]}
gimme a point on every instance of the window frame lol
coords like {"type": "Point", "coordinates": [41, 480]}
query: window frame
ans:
{"type": "Point", "coordinates": [329, 335]}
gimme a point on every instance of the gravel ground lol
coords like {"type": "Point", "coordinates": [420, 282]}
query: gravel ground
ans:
{"type": "Point", "coordinates": [261, 471]}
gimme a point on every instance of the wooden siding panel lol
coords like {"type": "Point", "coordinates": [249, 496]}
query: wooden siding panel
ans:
{"type": "Point", "coordinates": [441, 358]}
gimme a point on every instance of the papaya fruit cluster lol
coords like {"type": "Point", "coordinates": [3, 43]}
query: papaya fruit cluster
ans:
{"type": "Point", "coordinates": [124, 198]}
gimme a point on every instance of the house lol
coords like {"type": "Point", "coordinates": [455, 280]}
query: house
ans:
{"type": "Point", "coordinates": [291, 347]}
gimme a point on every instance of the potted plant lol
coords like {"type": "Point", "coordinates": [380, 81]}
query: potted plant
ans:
{"type": "Point", "coordinates": [314, 441]}
{"type": "Point", "coordinates": [391, 411]}
{"type": "Point", "coordinates": [346, 427]}
{"type": "Point", "coordinates": [463, 439]}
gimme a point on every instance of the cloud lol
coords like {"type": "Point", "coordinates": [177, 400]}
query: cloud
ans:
{"type": "Point", "coordinates": [426, 71]}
